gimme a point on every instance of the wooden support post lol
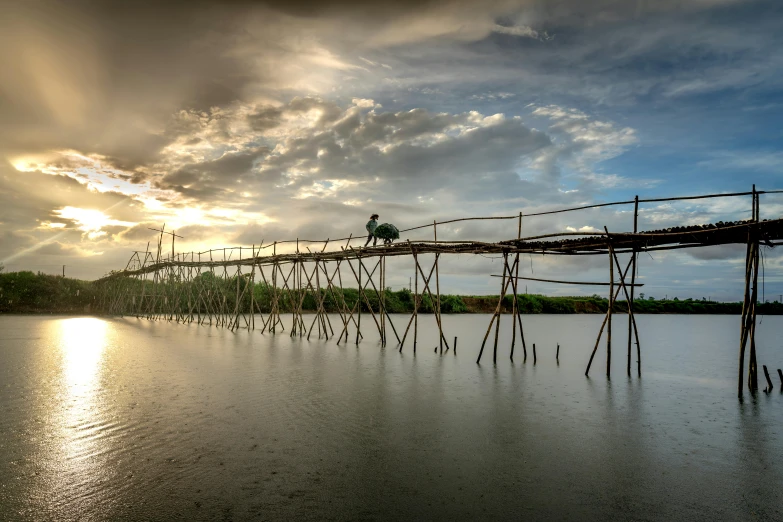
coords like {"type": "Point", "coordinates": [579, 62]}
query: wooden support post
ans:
{"type": "Point", "coordinates": [603, 325]}
{"type": "Point", "coordinates": [497, 310]}
{"type": "Point", "coordinates": [630, 300]}
{"type": "Point", "coordinates": [748, 328]}
{"type": "Point", "coordinates": [362, 293]}
{"type": "Point", "coordinates": [769, 381]}
{"type": "Point", "coordinates": [416, 304]}
{"type": "Point", "coordinates": [500, 305]}
{"type": "Point", "coordinates": [437, 289]}
{"type": "Point", "coordinates": [515, 316]}
{"type": "Point", "coordinates": [320, 303]}
{"type": "Point", "coordinates": [780, 374]}
{"type": "Point", "coordinates": [534, 353]}
{"type": "Point", "coordinates": [253, 289]}
{"type": "Point", "coordinates": [753, 383]}
{"type": "Point", "coordinates": [236, 306]}
{"type": "Point", "coordinates": [455, 345]}
{"type": "Point", "coordinates": [346, 313]}
{"type": "Point", "coordinates": [415, 316]}
{"type": "Point", "coordinates": [428, 289]}
{"type": "Point", "coordinates": [753, 377]}
{"type": "Point", "coordinates": [294, 293]}
{"type": "Point", "coordinates": [359, 299]}
{"type": "Point", "coordinates": [382, 309]}
{"type": "Point", "coordinates": [624, 288]}
{"type": "Point", "coordinates": [557, 354]}
{"type": "Point", "coordinates": [745, 313]}
{"type": "Point", "coordinates": [609, 321]}
{"type": "Point", "coordinates": [598, 340]}
{"type": "Point", "coordinates": [381, 297]}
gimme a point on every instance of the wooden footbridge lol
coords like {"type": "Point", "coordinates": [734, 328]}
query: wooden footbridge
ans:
{"type": "Point", "coordinates": [212, 288]}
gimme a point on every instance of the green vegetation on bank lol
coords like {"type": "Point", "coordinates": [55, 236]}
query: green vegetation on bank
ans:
{"type": "Point", "coordinates": [27, 292]}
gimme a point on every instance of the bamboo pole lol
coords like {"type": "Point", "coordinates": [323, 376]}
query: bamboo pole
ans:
{"type": "Point", "coordinates": [515, 304]}
{"type": "Point", "coordinates": [432, 299]}
{"type": "Point", "coordinates": [631, 323]}
{"type": "Point", "coordinates": [598, 339]}
{"type": "Point", "coordinates": [749, 304]}
{"type": "Point", "coordinates": [500, 307]}
{"type": "Point", "coordinates": [603, 325]}
{"type": "Point", "coordinates": [382, 311]}
{"type": "Point", "coordinates": [611, 307]}
{"type": "Point", "coordinates": [416, 302]}
{"type": "Point", "coordinates": [494, 316]}
{"type": "Point", "coordinates": [346, 313]}
{"type": "Point", "coordinates": [320, 303]}
{"type": "Point", "coordinates": [253, 289]}
{"type": "Point", "coordinates": [753, 368]}
{"type": "Point", "coordinates": [624, 288]}
{"type": "Point", "coordinates": [342, 293]}
{"type": "Point", "coordinates": [359, 300]}
{"type": "Point", "coordinates": [769, 381]}
{"type": "Point", "coordinates": [362, 288]}
{"type": "Point", "coordinates": [745, 312]}
{"type": "Point", "coordinates": [518, 319]}
{"type": "Point", "coordinates": [437, 288]}
{"type": "Point", "coordinates": [381, 301]}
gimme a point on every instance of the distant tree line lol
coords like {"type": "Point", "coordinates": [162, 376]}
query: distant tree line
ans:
{"type": "Point", "coordinates": [28, 292]}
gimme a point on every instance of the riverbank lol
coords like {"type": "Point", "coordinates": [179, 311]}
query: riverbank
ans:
{"type": "Point", "coordinates": [30, 293]}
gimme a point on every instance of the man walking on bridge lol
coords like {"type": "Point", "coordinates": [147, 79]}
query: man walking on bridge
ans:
{"type": "Point", "coordinates": [371, 226]}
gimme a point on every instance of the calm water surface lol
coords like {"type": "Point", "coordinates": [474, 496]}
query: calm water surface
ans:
{"type": "Point", "coordinates": [126, 419]}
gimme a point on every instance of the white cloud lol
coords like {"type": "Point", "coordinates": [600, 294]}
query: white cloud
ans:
{"type": "Point", "coordinates": [519, 30]}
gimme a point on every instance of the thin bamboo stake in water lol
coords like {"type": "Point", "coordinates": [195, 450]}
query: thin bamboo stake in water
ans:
{"type": "Point", "coordinates": [630, 300]}
{"type": "Point", "coordinates": [769, 381]}
{"type": "Point", "coordinates": [609, 322]}
{"type": "Point", "coordinates": [437, 289]}
{"type": "Point", "coordinates": [515, 304]}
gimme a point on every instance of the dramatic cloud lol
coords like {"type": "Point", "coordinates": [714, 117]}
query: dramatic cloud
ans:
{"type": "Point", "coordinates": [236, 122]}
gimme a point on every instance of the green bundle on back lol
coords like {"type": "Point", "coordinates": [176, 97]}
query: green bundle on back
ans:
{"type": "Point", "coordinates": [387, 232]}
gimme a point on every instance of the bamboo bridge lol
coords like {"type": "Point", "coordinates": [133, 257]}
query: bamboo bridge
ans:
{"type": "Point", "coordinates": [212, 288]}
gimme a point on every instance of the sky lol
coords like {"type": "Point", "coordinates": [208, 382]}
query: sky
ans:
{"type": "Point", "coordinates": [240, 122]}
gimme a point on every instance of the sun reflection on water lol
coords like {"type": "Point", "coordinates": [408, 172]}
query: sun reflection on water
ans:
{"type": "Point", "coordinates": [83, 343]}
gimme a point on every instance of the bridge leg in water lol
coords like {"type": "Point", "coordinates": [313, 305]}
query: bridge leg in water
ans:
{"type": "Point", "coordinates": [748, 327]}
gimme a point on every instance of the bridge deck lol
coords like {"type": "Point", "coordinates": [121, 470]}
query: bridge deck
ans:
{"type": "Point", "coordinates": [551, 244]}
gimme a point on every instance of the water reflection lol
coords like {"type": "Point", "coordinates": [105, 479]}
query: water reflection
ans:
{"type": "Point", "coordinates": [136, 420]}
{"type": "Point", "coordinates": [83, 344]}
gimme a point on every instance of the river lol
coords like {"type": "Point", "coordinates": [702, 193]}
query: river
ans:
{"type": "Point", "coordinates": [128, 419]}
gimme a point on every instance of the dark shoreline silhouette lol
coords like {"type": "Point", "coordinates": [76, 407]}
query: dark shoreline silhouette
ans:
{"type": "Point", "coordinates": [29, 293]}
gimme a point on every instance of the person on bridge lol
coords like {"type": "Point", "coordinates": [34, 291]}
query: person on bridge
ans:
{"type": "Point", "coordinates": [371, 226]}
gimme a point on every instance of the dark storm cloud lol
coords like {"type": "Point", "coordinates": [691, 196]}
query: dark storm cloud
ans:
{"type": "Point", "coordinates": [140, 232]}
{"type": "Point", "coordinates": [211, 178]}
{"type": "Point", "coordinates": [265, 118]}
